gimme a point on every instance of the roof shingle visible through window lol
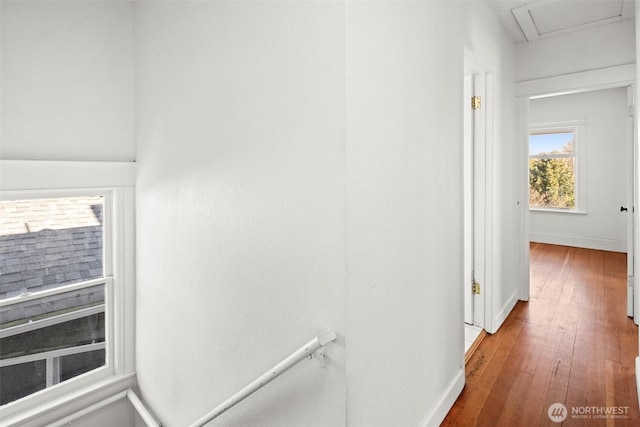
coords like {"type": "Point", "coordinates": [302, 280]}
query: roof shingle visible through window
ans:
{"type": "Point", "coordinates": [45, 243]}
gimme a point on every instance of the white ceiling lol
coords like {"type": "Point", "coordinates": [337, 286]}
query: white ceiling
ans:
{"type": "Point", "coordinates": [529, 20]}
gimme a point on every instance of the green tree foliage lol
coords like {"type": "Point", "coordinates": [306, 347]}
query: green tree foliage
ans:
{"type": "Point", "coordinates": [552, 181]}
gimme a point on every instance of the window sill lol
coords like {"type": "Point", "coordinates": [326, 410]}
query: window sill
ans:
{"type": "Point", "coordinates": [60, 405]}
{"type": "Point", "coordinates": [562, 211]}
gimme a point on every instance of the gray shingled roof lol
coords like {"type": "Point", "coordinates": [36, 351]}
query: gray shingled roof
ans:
{"type": "Point", "coordinates": [48, 242]}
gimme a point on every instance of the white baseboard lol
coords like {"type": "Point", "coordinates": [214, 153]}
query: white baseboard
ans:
{"type": "Point", "coordinates": [611, 245]}
{"type": "Point", "coordinates": [440, 410]}
{"type": "Point", "coordinates": [499, 319]}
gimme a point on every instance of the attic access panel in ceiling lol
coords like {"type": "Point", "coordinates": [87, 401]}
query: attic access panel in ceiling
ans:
{"type": "Point", "coordinates": [549, 18]}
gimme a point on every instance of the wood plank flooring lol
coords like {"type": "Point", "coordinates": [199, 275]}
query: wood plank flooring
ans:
{"type": "Point", "coordinates": [572, 343]}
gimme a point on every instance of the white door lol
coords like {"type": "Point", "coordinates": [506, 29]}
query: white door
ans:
{"type": "Point", "coordinates": [473, 177]}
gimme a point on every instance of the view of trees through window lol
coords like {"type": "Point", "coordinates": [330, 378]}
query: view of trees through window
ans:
{"type": "Point", "coordinates": [552, 172]}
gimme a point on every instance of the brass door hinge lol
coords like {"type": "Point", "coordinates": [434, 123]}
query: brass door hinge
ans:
{"type": "Point", "coordinates": [475, 103]}
{"type": "Point", "coordinates": [475, 288]}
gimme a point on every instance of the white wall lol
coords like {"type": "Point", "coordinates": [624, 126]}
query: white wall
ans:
{"type": "Point", "coordinates": [241, 207]}
{"type": "Point", "coordinates": [603, 226]}
{"type": "Point", "coordinates": [404, 86]}
{"type": "Point", "coordinates": [592, 49]}
{"type": "Point", "coordinates": [66, 80]}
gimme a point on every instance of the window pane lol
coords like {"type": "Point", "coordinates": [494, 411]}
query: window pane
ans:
{"type": "Point", "coordinates": [552, 183]}
{"type": "Point", "coordinates": [63, 329]}
{"type": "Point", "coordinates": [46, 243]}
{"type": "Point", "coordinates": [21, 380]}
{"type": "Point", "coordinates": [551, 143]}
{"type": "Point", "coordinates": [77, 364]}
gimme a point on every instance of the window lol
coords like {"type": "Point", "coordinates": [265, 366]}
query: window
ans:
{"type": "Point", "coordinates": [554, 173]}
{"type": "Point", "coordinates": [66, 286]}
{"type": "Point", "coordinates": [52, 292]}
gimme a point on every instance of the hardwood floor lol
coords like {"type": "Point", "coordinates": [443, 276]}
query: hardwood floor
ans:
{"type": "Point", "coordinates": [572, 343]}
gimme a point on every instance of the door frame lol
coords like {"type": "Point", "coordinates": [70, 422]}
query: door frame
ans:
{"type": "Point", "coordinates": [483, 191]}
{"type": "Point", "coordinates": [468, 196]}
{"type": "Point", "coordinates": [632, 197]}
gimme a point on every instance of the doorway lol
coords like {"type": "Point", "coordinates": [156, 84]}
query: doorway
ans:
{"type": "Point", "coordinates": [605, 220]}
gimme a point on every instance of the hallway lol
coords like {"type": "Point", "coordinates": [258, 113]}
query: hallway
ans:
{"type": "Point", "coordinates": [572, 343]}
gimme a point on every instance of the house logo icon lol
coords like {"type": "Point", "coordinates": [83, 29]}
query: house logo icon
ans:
{"type": "Point", "coordinates": [557, 412]}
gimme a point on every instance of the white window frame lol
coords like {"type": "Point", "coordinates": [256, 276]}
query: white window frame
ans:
{"type": "Point", "coordinates": [115, 181]}
{"type": "Point", "coordinates": [578, 128]}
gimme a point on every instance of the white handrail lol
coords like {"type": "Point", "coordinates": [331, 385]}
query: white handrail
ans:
{"type": "Point", "coordinates": [305, 351]}
{"type": "Point", "coordinates": [142, 410]}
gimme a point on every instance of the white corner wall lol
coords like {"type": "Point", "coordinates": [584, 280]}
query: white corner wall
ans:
{"type": "Point", "coordinates": [603, 226]}
{"type": "Point", "coordinates": [297, 168]}
{"type": "Point", "coordinates": [404, 192]}
{"type": "Point", "coordinates": [66, 80]}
